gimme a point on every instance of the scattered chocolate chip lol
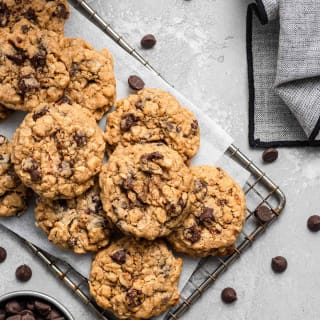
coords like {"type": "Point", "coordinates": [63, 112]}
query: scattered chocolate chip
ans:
{"type": "Point", "coordinates": [80, 139]}
{"type": "Point", "coordinates": [31, 15]}
{"type": "Point", "coordinates": [192, 234]}
{"type": "Point", "coordinates": [151, 157]}
{"type": "Point", "coordinates": [195, 125]}
{"type": "Point", "coordinates": [4, 14]}
{"type": "Point", "coordinates": [74, 68]}
{"type": "Point", "coordinates": [3, 140]}
{"type": "Point", "coordinates": [314, 223]}
{"type": "Point", "coordinates": [25, 29]}
{"type": "Point", "coordinates": [228, 295]}
{"type": "Point", "coordinates": [139, 105]}
{"type": "Point", "coordinates": [270, 155]}
{"type": "Point", "coordinates": [64, 99]}
{"type": "Point", "coordinates": [127, 121]}
{"type": "Point", "coordinates": [148, 41]}
{"type": "Point", "coordinates": [2, 314]}
{"type": "Point", "coordinates": [135, 83]}
{"type": "Point", "coordinates": [18, 58]}
{"type": "Point", "coordinates": [25, 312]}
{"type": "Point", "coordinates": [134, 298]}
{"type": "Point", "coordinates": [13, 307]}
{"type": "Point", "coordinates": [119, 256]}
{"type": "Point", "coordinates": [28, 83]}
{"type": "Point", "coordinates": [263, 213]}
{"type": "Point", "coordinates": [65, 169]}
{"type": "Point", "coordinates": [72, 242]}
{"type": "Point", "coordinates": [127, 184]}
{"type": "Point", "coordinates": [42, 308]}
{"type": "Point", "coordinates": [62, 203]}
{"type": "Point", "coordinates": [61, 11]}
{"type": "Point", "coordinates": [199, 185]}
{"type": "Point", "coordinates": [95, 205]}
{"type": "Point", "coordinates": [3, 254]}
{"type": "Point", "coordinates": [207, 216]}
{"type": "Point", "coordinates": [40, 113]}
{"type": "Point", "coordinates": [24, 273]}
{"type": "Point", "coordinates": [39, 60]}
{"type": "Point", "coordinates": [279, 264]}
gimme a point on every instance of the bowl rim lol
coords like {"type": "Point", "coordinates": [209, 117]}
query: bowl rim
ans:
{"type": "Point", "coordinates": [40, 295]}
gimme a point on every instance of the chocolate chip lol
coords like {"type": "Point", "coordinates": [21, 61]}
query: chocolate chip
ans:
{"type": "Point", "coordinates": [74, 69]}
{"type": "Point", "coordinates": [18, 58]}
{"type": "Point", "coordinates": [279, 264]}
{"type": "Point", "coordinates": [80, 139]}
{"type": "Point", "coordinates": [4, 14]}
{"type": "Point", "coordinates": [207, 216]}
{"type": "Point", "coordinates": [27, 315]}
{"type": "Point", "coordinates": [31, 15]}
{"type": "Point", "coordinates": [65, 169]}
{"type": "Point", "coordinates": [42, 308]}
{"type": "Point", "coordinates": [151, 156]}
{"type": "Point", "coordinates": [54, 315]}
{"type": "Point", "coordinates": [62, 203]}
{"type": "Point", "coordinates": [39, 60]}
{"type": "Point", "coordinates": [127, 121]}
{"type": "Point", "coordinates": [13, 307]}
{"type": "Point", "coordinates": [15, 317]}
{"type": "Point", "coordinates": [25, 29]}
{"type": "Point", "coordinates": [64, 99]}
{"type": "Point", "coordinates": [192, 234]}
{"type": "Point", "coordinates": [127, 184]}
{"type": "Point", "coordinates": [2, 314]}
{"type": "Point", "coordinates": [61, 11]}
{"type": "Point", "coordinates": [40, 113]}
{"type": "Point", "coordinates": [119, 256]}
{"type": "Point", "coordinates": [25, 312]}
{"type": "Point", "coordinates": [263, 213]}
{"type": "Point", "coordinates": [139, 105]}
{"type": "Point", "coordinates": [134, 298]}
{"type": "Point", "coordinates": [28, 83]}
{"type": "Point", "coordinates": [95, 205]}
{"type": "Point", "coordinates": [270, 155]}
{"type": "Point", "coordinates": [195, 125]}
{"type": "Point", "coordinates": [228, 295]}
{"type": "Point", "coordinates": [3, 254]}
{"type": "Point", "coordinates": [148, 41]}
{"type": "Point", "coordinates": [30, 165]}
{"type": "Point", "coordinates": [72, 242]}
{"type": "Point", "coordinates": [314, 223]}
{"type": "Point", "coordinates": [199, 185]}
{"type": "Point", "coordinates": [135, 83]}
{"type": "Point", "coordinates": [23, 273]}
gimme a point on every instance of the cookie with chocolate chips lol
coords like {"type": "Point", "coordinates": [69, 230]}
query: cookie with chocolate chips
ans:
{"type": "Point", "coordinates": [31, 69]}
{"type": "Point", "coordinates": [135, 279]}
{"type": "Point", "coordinates": [216, 216]}
{"type": "Point", "coordinates": [92, 80]}
{"type": "Point", "coordinates": [78, 224]}
{"type": "Point", "coordinates": [145, 189]}
{"type": "Point", "coordinates": [50, 15]}
{"type": "Point", "coordinates": [153, 115]}
{"type": "Point", "coordinates": [58, 150]}
{"type": "Point", "coordinates": [13, 194]}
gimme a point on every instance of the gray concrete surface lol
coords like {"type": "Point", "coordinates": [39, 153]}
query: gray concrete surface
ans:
{"type": "Point", "coordinates": [201, 49]}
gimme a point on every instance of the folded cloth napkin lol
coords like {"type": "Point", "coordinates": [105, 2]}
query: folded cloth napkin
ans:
{"type": "Point", "coordinates": [283, 49]}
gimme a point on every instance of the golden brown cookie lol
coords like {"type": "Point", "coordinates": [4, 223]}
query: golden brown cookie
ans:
{"type": "Point", "coordinates": [58, 150]}
{"type": "Point", "coordinates": [216, 217]}
{"type": "Point", "coordinates": [145, 189]}
{"type": "Point", "coordinates": [13, 194]}
{"type": "Point", "coordinates": [153, 115]}
{"type": "Point", "coordinates": [78, 224]}
{"type": "Point", "coordinates": [135, 279]}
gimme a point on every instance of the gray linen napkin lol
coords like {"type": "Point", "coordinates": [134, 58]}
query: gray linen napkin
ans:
{"type": "Point", "coordinates": [283, 46]}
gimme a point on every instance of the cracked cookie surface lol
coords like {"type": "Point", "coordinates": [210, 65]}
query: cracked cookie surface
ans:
{"type": "Point", "coordinates": [13, 194]}
{"type": "Point", "coordinates": [153, 115]}
{"type": "Point", "coordinates": [217, 214]}
{"type": "Point", "coordinates": [57, 150]}
{"type": "Point", "coordinates": [31, 69]}
{"type": "Point", "coordinates": [50, 15]}
{"type": "Point", "coordinates": [135, 279]}
{"type": "Point", "coordinates": [78, 224]}
{"type": "Point", "coordinates": [92, 82]}
{"type": "Point", "coordinates": [144, 189]}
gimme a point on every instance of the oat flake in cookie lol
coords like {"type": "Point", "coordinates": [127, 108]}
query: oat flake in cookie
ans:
{"type": "Point", "coordinates": [217, 215]}
{"type": "Point", "coordinates": [50, 15]}
{"type": "Point", "coordinates": [13, 194]}
{"type": "Point", "coordinates": [135, 279]}
{"type": "Point", "coordinates": [31, 69]}
{"type": "Point", "coordinates": [92, 81]}
{"type": "Point", "coordinates": [145, 189]}
{"type": "Point", "coordinates": [153, 115]}
{"type": "Point", "coordinates": [57, 150]}
{"type": "Point", "coordinates": [79, 224]}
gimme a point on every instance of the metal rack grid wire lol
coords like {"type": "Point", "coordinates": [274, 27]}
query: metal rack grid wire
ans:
{"type": "Point", "coordinates": [259, 189]}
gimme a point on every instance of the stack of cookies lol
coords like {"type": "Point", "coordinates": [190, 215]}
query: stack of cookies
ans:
{"type": "Point", "coordinates": [128, 209]}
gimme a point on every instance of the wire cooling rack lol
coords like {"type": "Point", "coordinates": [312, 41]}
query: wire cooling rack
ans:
{"type": "Point", "coordinates": [259, 189]}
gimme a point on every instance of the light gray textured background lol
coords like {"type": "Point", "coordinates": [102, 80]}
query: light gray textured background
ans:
{"type": "Point", "coordinates": [201, 49]}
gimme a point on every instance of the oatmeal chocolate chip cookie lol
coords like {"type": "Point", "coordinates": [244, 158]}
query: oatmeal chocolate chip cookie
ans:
{"type": "Point", "coordinates": [13, 194]}
{"type": "Point", "coordinates": [31, 69]}
{"type": "Point", "coordinates": [92, 81]}
{"type": "Point", "coordinates": [50, 15]}
{"type": "Point", "coordinates": [217, 214]}
{"type": "Point", "coordinates": [79, 224]}
{"type": "Point", "coordinates": [57, 150]}
{"type": "Point", "coordinates": [144, 189]}
{"type": "Point", "coordinates": [4, 112]}
{"type": "Point", "coordinates": [135, 279]}
{"type": "Point", "coordinates": [153, 115]}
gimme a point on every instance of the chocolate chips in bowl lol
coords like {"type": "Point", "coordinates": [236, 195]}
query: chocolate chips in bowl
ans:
{"type": "Point", "coordinates": [31, 305]}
